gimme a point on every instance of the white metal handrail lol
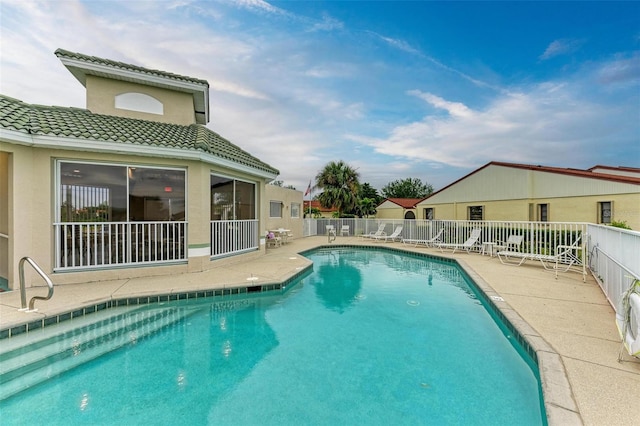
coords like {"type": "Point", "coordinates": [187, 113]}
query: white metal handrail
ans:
{"type": "Point", "coordinates": [23, 290]}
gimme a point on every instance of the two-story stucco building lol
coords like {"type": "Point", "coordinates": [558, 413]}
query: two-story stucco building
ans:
{"type": "Point", "coordinates": [133, 185]}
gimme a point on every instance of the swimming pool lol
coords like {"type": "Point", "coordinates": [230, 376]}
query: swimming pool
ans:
{"type": "Point", "coordinates": [369, 337]}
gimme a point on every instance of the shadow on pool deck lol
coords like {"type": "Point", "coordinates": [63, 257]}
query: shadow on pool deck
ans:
{"type": "Point", "coordinates": [568, 321]}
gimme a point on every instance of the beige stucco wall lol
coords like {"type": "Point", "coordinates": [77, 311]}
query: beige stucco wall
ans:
{"type": "Point", "coordinates": [626, 207]}
{"type": "Point", "coordinates": [5, 164]}
{"type": "Point", "coordinates": [30, 212]}
{"type": "Point", "coordinates": [101, 93]}
{"type": "Point", "coordinates": [507, 192]}
{"type": "Point", "coordinates": [396, 212]}
{"type": "Point", "coordinates": [287, 197]}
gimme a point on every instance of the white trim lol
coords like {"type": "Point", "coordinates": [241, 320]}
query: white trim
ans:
{"type": "Point", "coordinates": [89, 145]}
{"type": "Point", "coordinates": [199, 252]}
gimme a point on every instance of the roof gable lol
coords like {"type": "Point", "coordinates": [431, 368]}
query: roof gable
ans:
{"type": "Point", "coordinates": [405, 203]}
{"type": "Point", "coordinates": [558, 170]}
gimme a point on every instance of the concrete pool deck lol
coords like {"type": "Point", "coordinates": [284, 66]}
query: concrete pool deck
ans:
{"type": "Point", "coordinates": [569, 321]}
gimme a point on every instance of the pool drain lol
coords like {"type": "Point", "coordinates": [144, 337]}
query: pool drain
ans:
{"type": "Point", "coordinates": [413, 302]}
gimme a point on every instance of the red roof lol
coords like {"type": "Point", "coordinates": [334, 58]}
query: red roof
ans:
{"type": "Point", "coordinates": [316, 204]}
{"type": "Point", "coordinates": [405, 203]}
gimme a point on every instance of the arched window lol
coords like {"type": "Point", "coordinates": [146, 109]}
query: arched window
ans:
{"type": "Point", "coordinates": [139, 102]}
{"type": "Point", "coordinates": [409, 215]}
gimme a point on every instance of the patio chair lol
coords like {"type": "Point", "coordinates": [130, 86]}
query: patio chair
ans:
{"type": "Point", "coordinates": [512, 243]}
{"type": "Point", "coordinates": [564, 258]}
{"type": "Point", "coordinates": [378, 233]}
{"type": "Point", "coordinates": [394, 236]}
{"type": "Point", "coordinates": [273, 240]}
{"type": "Point", "coordinates": [330, 229]}
{"type": "Point", "coordinates": [466, 246]}
{"type": "Point", "coordinates": [344, 230]}
{"type": "Point", "coordinates": [428, 243]}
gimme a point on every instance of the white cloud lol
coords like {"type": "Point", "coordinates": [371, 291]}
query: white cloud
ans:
{"type": "Point", "coordinates": [561, 47]}
{"type": "Point", "coordinates": [621, 71]}
{"type": "Point", "coordinates": [548, 123]}
{"type": "Point", "coordinates": [327, 24]}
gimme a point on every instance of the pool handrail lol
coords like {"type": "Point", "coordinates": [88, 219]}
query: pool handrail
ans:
{"type": "Point", "coordinates": [23, 290]}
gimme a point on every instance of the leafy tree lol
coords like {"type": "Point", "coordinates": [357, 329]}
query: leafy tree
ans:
{"type": "Point", "coordinates": [366, 207]}
{"type": "Point", "coordinates": [367, 191]}
{"type": "Point", "coordinates": [281, 184]}
{"type": "Point", "coordinates": [407, 188]}
{"type": "Point", "coordinates": [340, 186]}
{"type": "Point", "coordinates": [313, 212]}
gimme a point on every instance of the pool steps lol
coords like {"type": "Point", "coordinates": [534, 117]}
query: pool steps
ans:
{"type": "Point", "coordinates": [26, 362]}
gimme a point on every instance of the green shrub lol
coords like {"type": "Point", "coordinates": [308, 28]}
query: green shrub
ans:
{"type": "Point", "coordinates": [619, 224]}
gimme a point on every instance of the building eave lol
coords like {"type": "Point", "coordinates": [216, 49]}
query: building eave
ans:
{"type": "Point", "coordinates": [89, 145]}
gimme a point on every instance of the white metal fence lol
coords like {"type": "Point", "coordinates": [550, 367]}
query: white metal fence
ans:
{"type": "Point", "coordinates": [538, 237]}
{"type": "Point", "coordinates": [107, 244]}
{"type": "Point", "coordinates": [233, 236]}
{"type": "Point", "coordinates": [614, 259]}
{"type": "Point", "coordinates": [612, 254]}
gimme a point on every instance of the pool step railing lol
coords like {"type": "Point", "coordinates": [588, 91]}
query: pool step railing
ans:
{"type": "Point", "coordinates": [37, 361]}
{"type": "Point", "coordinates": [23, 289]}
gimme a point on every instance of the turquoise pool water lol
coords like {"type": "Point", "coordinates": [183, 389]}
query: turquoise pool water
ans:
{"type": "Point", "coordinates": [369, 337]}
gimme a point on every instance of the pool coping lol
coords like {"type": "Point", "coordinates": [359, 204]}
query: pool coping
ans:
{"type": "Point", "coordinates": [558, 398]}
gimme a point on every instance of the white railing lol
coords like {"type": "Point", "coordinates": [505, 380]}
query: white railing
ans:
{"type": "Point", "coordinates": [233, 236]}
{"type": "Point", "coordinates": [614, 259]}
{"type": "Point", "coordinates": [81, 245]}
{"type": "Point", "coordinates": [538, 237]}
{"type": "Point", "coordinates": [612, 254]}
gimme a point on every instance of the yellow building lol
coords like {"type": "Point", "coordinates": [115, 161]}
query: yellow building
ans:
{"type": "Point", "coordinates": [398, 208]}
{"type": "Point", "coordinates": [134, 185]}
{"type": "Point", "coordinates": [520, 192]}
{"type": "Point", "coordinates": [283, 209]}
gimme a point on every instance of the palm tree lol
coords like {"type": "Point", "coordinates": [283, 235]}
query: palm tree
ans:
{"type": "Point", "coordinates": [339, 184]}
{"type": "Point", "coordinates": [366, 207]}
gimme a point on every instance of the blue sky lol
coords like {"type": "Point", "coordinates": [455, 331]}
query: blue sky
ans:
{"type": "Point", "coordinates": [428, 90]}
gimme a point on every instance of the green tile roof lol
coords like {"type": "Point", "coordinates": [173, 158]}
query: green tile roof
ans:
{"type": "Point", "coordinates": [65, 54]}
{"type": "Point", "coordinates": [38, 120]}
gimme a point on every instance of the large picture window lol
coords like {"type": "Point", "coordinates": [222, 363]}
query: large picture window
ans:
{"type": "Point", "coordinates": [120, 193]}
{"type": "Point", "coordinates": [118, 214]}
{"type": "Point", "coordinates": [232, 199]}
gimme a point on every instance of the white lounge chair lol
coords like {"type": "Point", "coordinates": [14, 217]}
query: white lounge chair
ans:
{"type": "Point", "coordinates": [564, 258]}
{"type": "Point", "coordinates": [344, 230]}
{"type": "Point", "coordinates": [378, 233]}
{"type": "Point", "coordinates": [394, 236]}
{"type": "Point", "coordinates": [428, 243]}
{"type": "Point", "coordinates": [466, 246]}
